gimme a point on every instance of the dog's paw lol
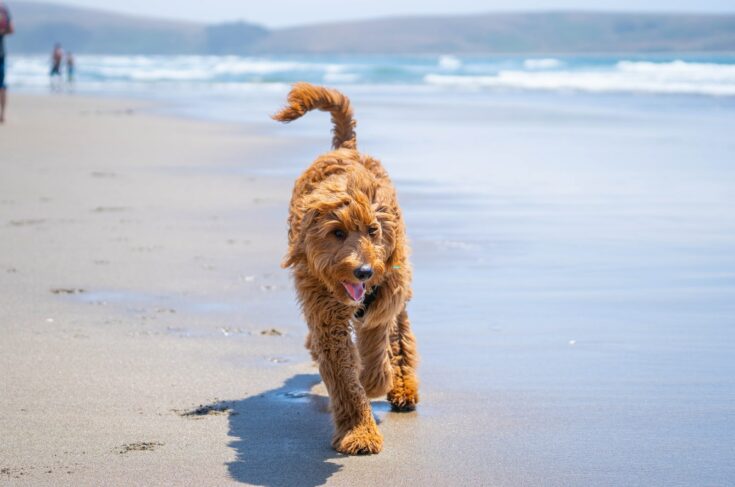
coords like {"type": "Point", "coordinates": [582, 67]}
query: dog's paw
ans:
{"type": "Point", "coordinates": [361, 440]}
{"type": "Point", "coordinates": [403, 399]}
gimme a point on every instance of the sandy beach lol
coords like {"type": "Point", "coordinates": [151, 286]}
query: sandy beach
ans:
{"type": "Point", "coordinates": [149, 336]}
{"type": "Point", "coordinates": [573, 294]}
{"type": "Point", "coordinates": [114, 243]}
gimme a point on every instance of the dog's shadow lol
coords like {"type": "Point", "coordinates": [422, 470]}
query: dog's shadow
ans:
{"type": "Point", "coordinates": [282, 436]}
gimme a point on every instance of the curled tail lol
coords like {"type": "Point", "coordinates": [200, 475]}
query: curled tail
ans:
{"type": "Point", "coordinates": [305, 97]}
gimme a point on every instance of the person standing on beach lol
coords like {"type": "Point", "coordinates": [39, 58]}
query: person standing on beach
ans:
{"type": "Point", "coordinates": [6, 28]}
{"type": "Point", "coordinates": [57, 56]}
{"type": "Point", "coordinates": [69, 67]}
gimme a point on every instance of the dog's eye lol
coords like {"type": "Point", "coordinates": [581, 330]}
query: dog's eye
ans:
{"type": "Point", "coordinates": [340, 234]}
{"type": "Point", "coordinates": [373, 230]}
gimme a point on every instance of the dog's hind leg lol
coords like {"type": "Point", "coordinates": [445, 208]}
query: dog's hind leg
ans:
{"type": "Point", "coordinates": [404, 358]}
{"type": "Point", "coordinates": [373, 343]}
{"type": "Point", "coordinates": [331, 343]}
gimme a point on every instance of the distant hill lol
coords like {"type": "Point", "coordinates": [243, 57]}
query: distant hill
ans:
{"type": "Point", "coordinates": [552, 32]}
{"type": "Point", "coordinates": [39, 25]}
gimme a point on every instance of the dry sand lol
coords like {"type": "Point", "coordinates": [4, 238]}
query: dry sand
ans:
{"type": "Point", "coordinates": [148, 334]}
{"type": "Point", "coordinates": [107, 225]}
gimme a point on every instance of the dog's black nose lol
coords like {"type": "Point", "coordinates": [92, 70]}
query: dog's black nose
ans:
{"type": "Point", "coordinates": [364, 272]}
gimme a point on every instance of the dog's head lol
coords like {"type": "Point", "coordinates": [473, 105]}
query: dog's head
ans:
{"type": "Point", "coordinates": [347, 234]}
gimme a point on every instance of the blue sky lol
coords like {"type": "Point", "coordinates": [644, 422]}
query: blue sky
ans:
{"type": "Point", "coordinates": [278, 13]}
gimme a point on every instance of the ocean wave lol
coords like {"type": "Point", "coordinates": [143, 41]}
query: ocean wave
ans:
{"type": "Point", "coordinates": [32, 70]}
{"type": "Point", "coordinates": [677, 77]}
{"type": "Point", "coordinates": [336, 73]}
{"type": "Point", "coordinates": [234, 65]}
{"type": "Point", "coordinates": [545, 63]}
{"type": "Point", "coordinates": [449, 63]}
{"type": "Point", "coordinates": [680, 70]}
{"type": "Point", "coordinates": [347, 78]}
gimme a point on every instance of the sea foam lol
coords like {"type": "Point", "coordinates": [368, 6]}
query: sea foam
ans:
{"type": "Point", "coordinates": [677, 77]}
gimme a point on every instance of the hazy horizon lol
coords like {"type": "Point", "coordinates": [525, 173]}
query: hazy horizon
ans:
{"type": "Point", "coordinates": [292, 12]}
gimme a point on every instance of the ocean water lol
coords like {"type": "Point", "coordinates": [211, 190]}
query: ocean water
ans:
{"type": "Point", "coordinates": [573, 231]}
{"type": "Point", "coordinates": [686, 74]}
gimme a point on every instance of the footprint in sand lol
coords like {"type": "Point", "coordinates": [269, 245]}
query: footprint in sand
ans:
{"type": "Point", "coordinates": [215, 409]}
{"type": "Point", "coordinates": [110, 209]}
{"type": "Point", "coordinates": [102, 174]}
{"type": "Point", "coordinates": [63, 290]}
{"type": "Point", "coordinates": [139, 446]}
{"type": "Point", "coordinates": [27, 222]}
{"type": "Point", "coordinates": [272, 332]}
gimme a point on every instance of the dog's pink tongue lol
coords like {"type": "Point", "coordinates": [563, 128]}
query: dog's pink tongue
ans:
{"type": "Point", "coordinates": [355, 291]}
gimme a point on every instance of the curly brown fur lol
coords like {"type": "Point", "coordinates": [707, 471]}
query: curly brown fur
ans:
{"type": "Point", "coordinates": [344, 220]}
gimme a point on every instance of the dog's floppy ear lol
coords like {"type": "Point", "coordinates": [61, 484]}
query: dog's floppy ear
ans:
{"type": "Point", "coordinates": [296, 243]}
{"type": "Point", "coordinates": [387, 221]}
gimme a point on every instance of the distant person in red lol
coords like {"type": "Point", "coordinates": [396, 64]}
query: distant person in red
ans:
{"type": "Point", "coordinates": [6, 28]}
{"type": "Point", "coordinates": [57, 56]}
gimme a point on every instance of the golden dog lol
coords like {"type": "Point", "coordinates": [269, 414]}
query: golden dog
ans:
{"type": "Point", "coordinates": [349, 257]}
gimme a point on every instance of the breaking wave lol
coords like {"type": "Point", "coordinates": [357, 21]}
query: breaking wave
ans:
{"type": "Point", "coordinates": [546, 63]}
{"type": "Point", "coordinates": [676, 77]}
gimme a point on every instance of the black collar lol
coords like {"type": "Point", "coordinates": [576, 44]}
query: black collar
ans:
{"type": "Point", "coordinates": [369, 298]}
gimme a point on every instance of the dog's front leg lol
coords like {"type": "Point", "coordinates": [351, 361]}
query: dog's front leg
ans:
{"type": "Point", "coordinates": [331, 343]}
{"type": "Point", "coordinates": [376, 375]}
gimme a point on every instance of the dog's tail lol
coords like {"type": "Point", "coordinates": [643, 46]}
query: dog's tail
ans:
{"type": "Point", "coordinates": [305, 97]}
